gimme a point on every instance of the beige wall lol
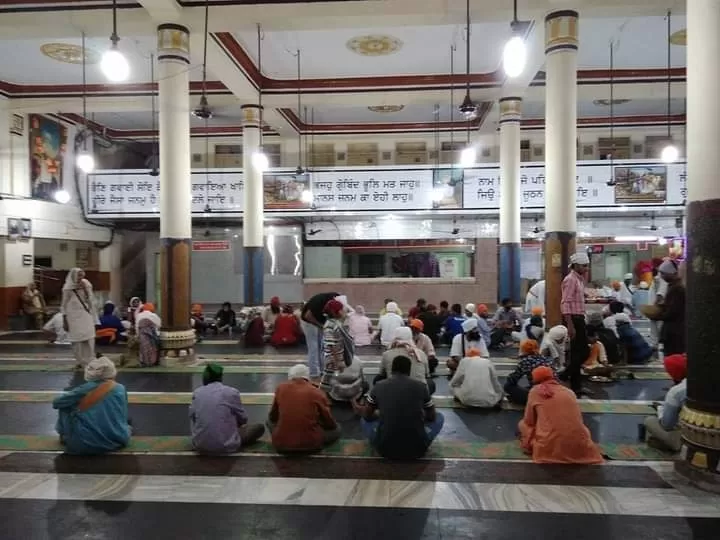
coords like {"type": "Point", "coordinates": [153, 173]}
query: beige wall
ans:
{"type": "Point", "coordinates": [481, 289]}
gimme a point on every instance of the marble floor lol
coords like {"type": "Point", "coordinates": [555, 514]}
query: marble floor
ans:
{"type": "Point", "coordinates": [474, 483]}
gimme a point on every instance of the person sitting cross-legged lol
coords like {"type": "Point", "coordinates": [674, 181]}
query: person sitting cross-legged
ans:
{"type": "Point", "coordinates": [300, 419]}
{"type": "Point", "coordinates": [552, 429]}
{"type": "Point", "coordinates": [529, 358]}
{"type": "Point", "coordinates": [662, 429]}
{"type": "Point", "coordinates": [398, 415]}
{"type": "Point", "coordinates": [93, 417]}
{"type": "Point", "coordinates": [218, 421]}
{"type": "Point", "coordinates": [475, 383]}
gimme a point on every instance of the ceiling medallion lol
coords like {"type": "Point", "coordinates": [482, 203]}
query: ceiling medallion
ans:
{"type": "Point", "coordinates": [679, 37]}
{"type": "Point", "coordinates": [375, 45]}
{"type": "Point", "coordinates": [606, 102]}
{"type": "Point", "coordinates": [69, 53]}
{"type": "Point", "coordinates": [386, 108]}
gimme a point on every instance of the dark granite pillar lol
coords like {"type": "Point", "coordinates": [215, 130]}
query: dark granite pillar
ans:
{"type": "Point", "coordinates": [559, 246]}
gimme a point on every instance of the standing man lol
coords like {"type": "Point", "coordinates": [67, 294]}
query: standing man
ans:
{"type": "Point", "coordinates": [572, 307]}
{"type": "Point", "coordinates": [312, 319]}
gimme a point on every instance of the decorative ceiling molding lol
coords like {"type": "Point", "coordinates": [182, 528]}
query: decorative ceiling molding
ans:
{"type": "Point", "coordinates": [13, 90]}
{"type": "Point", "coordinates": [69, 53]}
{"type": "Point", "coordinates": [679, 38]}
{"type": "Point", "coordinates": [374, 45]}
{"type": "Point", "coordinates": [621, 76]}
{"type": "Point", "coordinates": [20, 6]}
{"type": "Point", "coordinates": [618, 121]}
{"type": "Point", "coordinates": [607, 102]}
{"type": "Point", "coordinates": [385, 109]}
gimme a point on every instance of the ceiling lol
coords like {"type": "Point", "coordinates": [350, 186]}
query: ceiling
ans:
{"type": "Point", "coordinates": [355, 55]}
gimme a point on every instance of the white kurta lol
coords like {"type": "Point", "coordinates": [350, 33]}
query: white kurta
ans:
{"type": "Point", "coordinates": [535, 297]}
{"type": "Point", "coordinates": [475, 383]}
{"type": "Point", "coordinates": [81, 321]}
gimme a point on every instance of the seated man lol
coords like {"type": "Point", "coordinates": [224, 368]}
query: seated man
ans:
{"type": "Point", "coordinates": [54, 330]}
{"type": "Point", "coordinates": [528, 359]}
{"type": "Point", "coordinates": [596, 366]}
{"type": "Point", "coordinates": [453, 323]}
{"type": "Point", "coordinates": [469, 338]}
{"type": "Point", "coordinates": [225, 320]}
{"type": "Point", "coordinates": [424, 343]}
{"type": "Point", "coordinates": [533, 329]}
{"type": "Point", "coordinates": [637, 349]}
{"type": "Point", "coordinates": [218, 421]}
{"type": "Point", "coordinates": [663, 429]}
{"type": "Point", "coordinates": [111, 328]}
{"type": "Point", "coordinates": [399, 417]}
{"type": "Point", "coordinates": [287, 329]}
{"type": "Point", "coordinates": [505, 321]}
{"type": "Point", "coordinates": [300, 419]}
{"type": "Point", "coordinates": [93, 417]}
{"type": "Point", "coordinates": [475, 383]}
{"type": "Point", "coordinates": [388, 322]}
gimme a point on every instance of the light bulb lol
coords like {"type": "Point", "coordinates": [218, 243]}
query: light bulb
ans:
{"type": "Point", "coordinates": [670, 154]}
{"type": "Point", "coordinates": [114, 65]}
{"type": "Point", "coordinates": [85, 162]}
{"type": "Point", "coordinates": [62, 196]}
{"type": "Point", "coordinates": [438, 195]}
{"type": "Point", "coordinates": [260, 161]}
{"type": "Point", "coordinates": [468, 156]}
{"type": "Point", "coordinates": [514, 56]}
{"type": "Point", "coordinates": [306, 196]}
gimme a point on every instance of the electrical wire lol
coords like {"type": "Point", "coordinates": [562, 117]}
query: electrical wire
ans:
{"type": "Point", "coordinates": [669, 74]}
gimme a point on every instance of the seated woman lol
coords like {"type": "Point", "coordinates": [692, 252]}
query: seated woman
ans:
{"type": "Point", "coordinates": [637, 349]}
{"type": "Point", "coordinates": [33, 305]}
{"type": "Point", "coordinates": [218, 421]}
{"type": "Point", "coordinates": [553, 345]}
{"type": "Point", "coordinates": [255, 329]}
{"type": "Point", "coordinates": [147, 328]}
{"type": "Point", "coordinates": [662, 429]}
{"type": "Point", "coordinates": [404, 345]}
{"type": "Point", "coordinates": [132, 309]}
{"type": "Point", "coordinates": [596, 366]}
{"type": "Point", "coordinates": [300, 419]}
{"type": "Point", "coordinates": [93, 417]}
{"type": "Point", "coordinates": [287, 329]}
{"type": "Point", "coordinates": [606, 336]}
{"type": "Point", "coordinates": [111, 328]}
{"type": "Point", "coordinates": [529, 358]}
{"type": "Point", "coordinates": [54, 330]}
{"type": "Point", "coordinates": [360, 327]}
{"type": "Point", "coordinates": [342, 377]}
{"type": "Point", "coordinates": [552, 430]}
{"type": "Point", "coordinates": [475, 383]}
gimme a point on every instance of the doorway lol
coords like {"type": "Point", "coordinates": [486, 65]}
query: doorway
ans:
{"type": "Point", "coordinates": [617, 265]}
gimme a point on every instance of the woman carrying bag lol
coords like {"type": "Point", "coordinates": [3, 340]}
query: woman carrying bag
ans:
{"type": "Point", "coordinates": [79, 316]}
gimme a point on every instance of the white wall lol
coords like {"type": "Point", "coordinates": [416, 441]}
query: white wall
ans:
{"type": "Point", "coordinates": [12, 271]}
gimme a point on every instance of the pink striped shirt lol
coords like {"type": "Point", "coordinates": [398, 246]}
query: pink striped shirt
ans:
{"type": "Point", "coordinates": [573, 295]}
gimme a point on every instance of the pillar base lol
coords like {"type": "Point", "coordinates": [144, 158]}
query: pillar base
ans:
{"type": "Point", "coordinates": [176, 346]}
{"type": "Point", "coordinates": [700, 455]}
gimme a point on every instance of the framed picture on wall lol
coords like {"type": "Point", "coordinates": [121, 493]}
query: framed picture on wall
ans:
{"type": "Point", "coordinates": [48, 147]}
{"type": "Point", "coordinates": [13, 228]}
{"type": "Point", "coordinates": [26, 228]}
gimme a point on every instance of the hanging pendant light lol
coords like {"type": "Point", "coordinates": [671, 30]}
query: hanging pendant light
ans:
{"type": "Point", "coordinates": [259, 159]}
{"type": "Point", "coordinates": [670, 153]}
{"type": "Point", "coordinates": [84, 160]}
{"type": "Point", "coordinates": [113, 64]}
{"type": "Point", "coordinates": [515, 51]}
{"type": "Point", "coordinates": [467, 108]}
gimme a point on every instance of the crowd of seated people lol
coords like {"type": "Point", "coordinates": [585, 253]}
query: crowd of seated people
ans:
{"type": "Point", "coordinates": [397, 414]}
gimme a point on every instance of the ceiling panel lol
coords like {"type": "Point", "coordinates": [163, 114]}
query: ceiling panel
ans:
{"type": "Point", "coordinates": [422, 50]}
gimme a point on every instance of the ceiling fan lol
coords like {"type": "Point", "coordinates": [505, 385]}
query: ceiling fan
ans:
{"type": "Point", "coordinates": [652, 227]}
{"type": "Point", "coordinates": [468, 108]}
{"type": "Point", "coordinates": [204, 111]}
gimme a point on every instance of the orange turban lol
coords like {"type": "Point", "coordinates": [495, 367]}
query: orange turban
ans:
{"type": "Point", "coordinates": [528, 347]}
{"type": "Point", "coordinates": [542, 374]}
{"type": "Point", "coordinates": [148, 306]}
{"type": "Point", "coordinates": [417, 324]}
{"type": "Point", "coordinates": [482, 308]}
{"type": "Point", "coordinates": [472, 352]}
{"type": "Point", "coordinates": [537, 310]}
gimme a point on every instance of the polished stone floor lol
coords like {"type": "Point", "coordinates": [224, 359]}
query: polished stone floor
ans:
{"type": "Point", "coordinates": [475, 483]}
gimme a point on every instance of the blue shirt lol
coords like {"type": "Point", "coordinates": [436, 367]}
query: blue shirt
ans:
{"type": "Point", "coordinates": [453, 325]}
{"type": "Point", "coordinates": [101, 428]}
{"type": "Point", "coordinates": [112, 321]}
{"type": "Point", "coordinates": [674, 400]}
{"type": "Point", "coordinates": [216, 412]}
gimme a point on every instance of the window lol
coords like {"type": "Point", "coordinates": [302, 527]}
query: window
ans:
{"type": "Point", "coordinates": [321, 155]}
{"type": "Point", "coordinates": [370, 265]}
{"type": "Point", "coordinates": [362, 154]}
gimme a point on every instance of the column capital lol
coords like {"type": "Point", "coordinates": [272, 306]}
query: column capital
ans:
{"type": "Point", "coordinates": [561, 31]}
{"type": "Point", "coordinates": [251, 115]}
{"type": "Point", "coordinates": [173, 43]}
{"type": "Point", "coordinates": [510, 109]}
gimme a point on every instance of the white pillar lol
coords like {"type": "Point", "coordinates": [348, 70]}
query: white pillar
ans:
{"type": "Point", "coordinates": [561, 44]}
{"type": "Point", "coordinates": [175, 184]}
{"type": "Point", "coordinates": [700, 418]}
{"type": "Point", "coordinates": [6, 154]}
{"type": "Point", "coordinates": [510, 114]}
{"type": "Point", "coordinates": [111, 263]}
{"type": "Point", "coordinates": [253, 202]}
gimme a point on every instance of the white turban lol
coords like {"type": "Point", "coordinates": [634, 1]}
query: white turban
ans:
{"type": "Point", "coordinates": [392, 307]}
{"type": "Point", "coordinates": [579, 258]}
{"type": "Point", "coordinates": [299, 371]}
{"type": "Point", "coordinates": [100, 369]}
{"type": "Point", "coordinates": [628, 276]}
{"type": "Point", "coordinates": [669, 267]}
{"type": "Point", "coordinates": [558, 333]}
{"type": "Point", "coordinates": [403, 333]}
{"type": "Point", "coordinates": [470, 308]}
{"type": "Point", "coordinates": [469, 324]}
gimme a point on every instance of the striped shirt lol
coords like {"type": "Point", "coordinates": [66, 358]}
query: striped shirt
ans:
{"type": "Point", "coordinates": [573, 295]}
